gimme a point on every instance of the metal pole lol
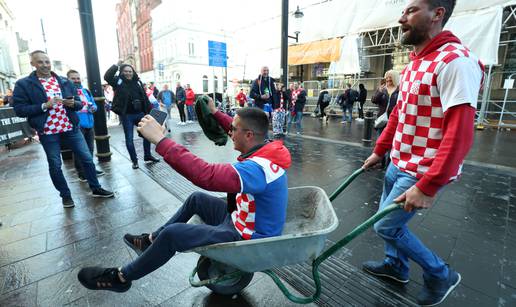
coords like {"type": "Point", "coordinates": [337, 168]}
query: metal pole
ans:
{"type": "Point", "coordinates": [284, 43]}
{"type": "Point", "coordinates": [483, 108]}
{"type": "Point", "coordinates": [94, 84]}
{"type": "Point", "coordinates": [500, 123]}
{"type": "Point", "coordinates": [43, 32]}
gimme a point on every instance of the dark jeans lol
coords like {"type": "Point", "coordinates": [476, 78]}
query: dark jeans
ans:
{"type": "Point", "coordinates": [322, 107]}
{"type": "Point", "coordinates": [177, 236]}
{"type": "Point", "coordinates": [75, 140]}
{"type": "Point", "coordinates": [128, 122]}
{"type": "Point", "coordinates": [88, 137]}
{"type": "Point", "coordinates": [181, 108]}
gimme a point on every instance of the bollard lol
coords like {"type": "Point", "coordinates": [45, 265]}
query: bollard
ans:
{"type": "Point", "coordinates": [368, 126]}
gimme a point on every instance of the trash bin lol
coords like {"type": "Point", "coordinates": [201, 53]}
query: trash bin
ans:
{"type": "Point", "coordinates": [368, 126]}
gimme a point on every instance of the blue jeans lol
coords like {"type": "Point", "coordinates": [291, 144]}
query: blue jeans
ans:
{"type": "Point", "coordinates": [177, 236]}
{"type": "Point", "coordinates": [347, 108]}
{"type": "Point", "coordinates": [297, 119]}
{"type": "Point", "coordinates": [128, 122]}
{"type": "Point", "coordinates": [190, 111]}
{"type": "Point", "coordinates": [400, 243]}
{"type": "Point", "coordinates": [89, 135]}
{"type": "Point", "coordinates": [75, 140]}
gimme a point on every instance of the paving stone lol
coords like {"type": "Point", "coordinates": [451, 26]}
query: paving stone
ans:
{"type": "Point", "coordinates": [25, 297]}
{"type": "Point", "coordinates": [22, 249]}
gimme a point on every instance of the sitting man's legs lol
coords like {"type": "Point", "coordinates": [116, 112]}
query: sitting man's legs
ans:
{"type": "Point", "coordinates": [174, 236]}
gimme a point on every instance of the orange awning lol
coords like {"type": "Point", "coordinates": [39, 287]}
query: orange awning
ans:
{"type": "Point", "coordinates": [324, 51]}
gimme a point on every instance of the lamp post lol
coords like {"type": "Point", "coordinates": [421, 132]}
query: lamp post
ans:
{"type": "Point", "coordinates": [94, 84]}
{"type": "Point", "coordinates": [284, 38]}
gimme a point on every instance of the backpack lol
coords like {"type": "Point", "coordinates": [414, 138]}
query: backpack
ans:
{"type": "Point", "coordinates": [326, 98]}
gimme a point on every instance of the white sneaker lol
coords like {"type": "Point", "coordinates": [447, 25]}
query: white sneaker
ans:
{"type": "Point", "coordinates": [189, 122]}
{"type": "Point", "coordinates": [179, 123]}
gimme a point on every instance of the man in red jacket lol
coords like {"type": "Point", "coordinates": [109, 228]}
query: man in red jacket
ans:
{"type": "Point", "coordinates": [241, 98]}
{"type": "Point", "coordinates": [190, 100]}
{"type": "Point", "coordinates": [429, 133]}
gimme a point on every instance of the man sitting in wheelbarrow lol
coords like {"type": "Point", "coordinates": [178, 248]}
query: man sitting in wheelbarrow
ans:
{"type": "Point", "coordinates": [256, 186]}
{"type": "Point", "coordinates": [429, 133]}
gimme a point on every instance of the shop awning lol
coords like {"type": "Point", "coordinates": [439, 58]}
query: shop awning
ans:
{"type": "Point", "coordinates": [324, 51]}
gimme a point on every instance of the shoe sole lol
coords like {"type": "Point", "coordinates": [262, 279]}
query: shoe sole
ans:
{"type": "Point", "coordinates": [137, 251]}
{"type": "Point", "coordinates": [103, 196]}
{"type": "Point", "coordinates": [403, 281]}
{"type": "Point", "coordinates": [68, 206]}
{"type": "Point", "coordinates": [447, 292]}
{"type": "Point", "coordinates": [85, 285]}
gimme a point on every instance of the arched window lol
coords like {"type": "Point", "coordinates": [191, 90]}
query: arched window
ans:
{"type": "Point", "coordinates": [205, 84]}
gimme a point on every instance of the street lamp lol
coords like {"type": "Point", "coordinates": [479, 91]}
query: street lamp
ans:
{"type": "Point", "coordinates": [297, 23]}
{"type": "Point", "coordinates": [284, 37]}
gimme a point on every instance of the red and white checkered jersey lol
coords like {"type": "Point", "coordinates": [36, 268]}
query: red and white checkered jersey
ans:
{"type": "Point", "coordinates": [428, 87]}
{"type": "Point", "coordinates": [57, 120]}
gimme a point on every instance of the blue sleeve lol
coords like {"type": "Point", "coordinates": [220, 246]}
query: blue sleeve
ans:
{"type": "Point", "coordinates": [252, 177]}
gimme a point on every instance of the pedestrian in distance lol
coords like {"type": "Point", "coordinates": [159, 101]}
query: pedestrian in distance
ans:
{"type": "Point", "coordinates": [131, 104]}
{"type": "Point", "coordinates": [263, 90]}
{"type": "Point", "coordinates": [241, 98]}
{"type": "Point", "coordinates": [298, 101]}
{"type": "Point", "coordinates": [166, 99]}
{"type": "Point", "coordinates": [279, 113]}
{"type": "Point", "coordinates": [256, 206]}
{"type": "Point", "coordinates": [429, 133]}
{"type": "Point", "coordinates": [190, 100]}
{"type": "Point", "coordinates": [347, 101]}
{"type": "Point", "coordinates": [362, 96]}
{"type": "Point", "coordinates": [181, 99]}
{"type": "Point", "coordinates": [86, 121]}
{"type": "Point", "coordinates": [50, 103]}
{"type": "Point", "coordinates": [323, 102]}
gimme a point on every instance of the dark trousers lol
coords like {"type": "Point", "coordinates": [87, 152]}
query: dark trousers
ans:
{"type": "Point", "coordinates": [88, 137]}
{"type": "Point", "coordinates": [128, 122]}
{"type": "Point", "coordinates": [361, 109]}
{"type": "Point", "coordinates": [181, 109]}
{"type": "Point", "coordinates": [177, 236]}
{"type": "Point", "coordinates": [322, 107]}
{"type": "Point", "coordinates": [52, 145]}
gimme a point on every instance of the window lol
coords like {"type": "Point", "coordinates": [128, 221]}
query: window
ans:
{"type": "Point", "coordinates": [215, 84]}
{"type": "Point", "coordinates": [205, 84]}
{"type": "Point", "coordinates": [191, 48]}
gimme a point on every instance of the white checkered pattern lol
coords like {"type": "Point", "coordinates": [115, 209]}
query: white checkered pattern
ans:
{"type": "Point", "coordinates": [57, 120]}
{"type": "Point", "coordinates": [244, 217]}
{"type": "Point", "coordinates": [420, 111]}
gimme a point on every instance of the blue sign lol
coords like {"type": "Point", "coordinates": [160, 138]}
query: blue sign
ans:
{"type": "Point", "coordinates": [217, 54]}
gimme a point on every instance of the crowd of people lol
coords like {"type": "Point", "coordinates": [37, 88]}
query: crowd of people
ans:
{"type": "Point", "coordinates": [428, 129]}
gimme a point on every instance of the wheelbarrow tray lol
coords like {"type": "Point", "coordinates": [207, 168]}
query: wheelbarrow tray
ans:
{"type": "Point", "coordinates": [310, 218]}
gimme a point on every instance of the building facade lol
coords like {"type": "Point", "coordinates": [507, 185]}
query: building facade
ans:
{"type": "Point", "coordinates": [9, 68]}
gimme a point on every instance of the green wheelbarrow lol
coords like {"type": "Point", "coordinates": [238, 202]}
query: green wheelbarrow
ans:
{"type": "Point", "coordinates": [227, 268]}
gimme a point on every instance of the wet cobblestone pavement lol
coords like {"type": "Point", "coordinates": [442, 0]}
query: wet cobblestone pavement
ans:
{"type": "Point", "coordinates": [42, 246]}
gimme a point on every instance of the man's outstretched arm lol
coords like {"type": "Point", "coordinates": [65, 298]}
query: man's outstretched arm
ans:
{"type": "Point", "coordinates": [218, 177]}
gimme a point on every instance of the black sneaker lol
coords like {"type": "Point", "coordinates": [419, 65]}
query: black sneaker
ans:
{"type": "Point", "coordinates": [99, 172]}
{"type": "Point", "coordinates": [137, 243]}
{"type": "Point", "coordinates": [100, 192]}
{"type": "Point", "coordinates": [382, 269]}
{"type": "Point", "coordinates": [135, 165]}
{"type": "Point", "coordinates": [68, 202]}
{"type": "Point", "coordinates": [151, 159]}
{"type": "Point", "coordinates": [435, 291]}
{"type": "Point", "coordinates": [82, 178]}
{"type": "Point", "coordinates": [95, 278]}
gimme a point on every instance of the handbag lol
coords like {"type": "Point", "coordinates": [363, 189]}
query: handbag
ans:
{"type": "Point", "coordinates": [381, 121]}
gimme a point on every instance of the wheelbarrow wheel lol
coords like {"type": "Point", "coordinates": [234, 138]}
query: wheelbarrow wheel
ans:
{"type": "Point", "coordinates": [208, 268]}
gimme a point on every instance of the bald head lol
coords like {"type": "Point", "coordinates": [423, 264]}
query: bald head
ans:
{"type": "Point", "coordinates": [265, 71]}
{"type": "Point", "coordinates": [41, 62]}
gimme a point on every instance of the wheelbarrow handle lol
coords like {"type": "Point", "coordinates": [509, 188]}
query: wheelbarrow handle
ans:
{"type": "Point", "coordinates": [346, 183]}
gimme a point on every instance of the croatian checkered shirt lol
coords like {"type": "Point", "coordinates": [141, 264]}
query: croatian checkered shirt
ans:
{"type": "Point", "coordinates": [57, 120]}
{"type": "Point", "coordinates": [420, 110]}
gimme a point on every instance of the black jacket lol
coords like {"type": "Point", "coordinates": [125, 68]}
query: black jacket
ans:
{"type": "Point", "coordinates": [301, 101]}
{"type": "Point", "coordinates": [180, 95]}
{"type": "Point", "coordinates": [125, 91]}
{"type": "Point", "coordinates": [29, 95]}
{"type": "Point", "coordinates": [260, 87]}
